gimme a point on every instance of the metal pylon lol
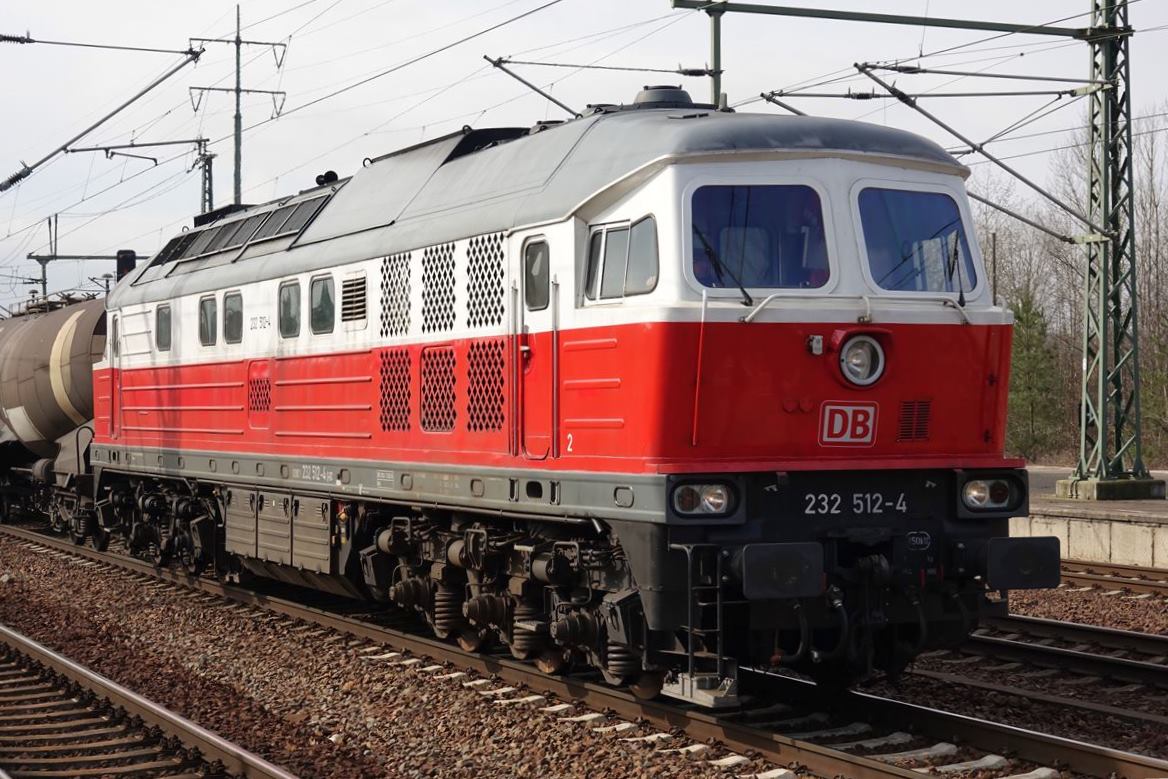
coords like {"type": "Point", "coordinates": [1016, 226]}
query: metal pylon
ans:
{"type": "Point", "coordinates": [1109, 434]}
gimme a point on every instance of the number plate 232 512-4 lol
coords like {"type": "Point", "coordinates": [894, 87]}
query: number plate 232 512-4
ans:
{"type": "Point", "coordinates": [870, 503]}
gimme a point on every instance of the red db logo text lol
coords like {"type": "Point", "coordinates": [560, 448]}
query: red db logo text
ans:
{"type": "Point", "coordinates": [847, 424]}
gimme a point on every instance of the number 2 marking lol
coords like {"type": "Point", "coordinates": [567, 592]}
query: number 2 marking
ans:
{"type": "Point", "coordinates": [569, 442]}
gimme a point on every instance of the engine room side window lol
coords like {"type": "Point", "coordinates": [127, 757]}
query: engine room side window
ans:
{"type": "Point", "coordinates": [233, 317]}
{"type": "Point", "coordinates": [207, 321]}
{"type": "Point", "coordinates": [758, 236]}
{"type": "Point", "coordinates": [622, 261]}
{"type": "Point", "coordinates": [289, 314]}
{"type": "Point", "coordinates": [162, 328]}
{"type": "Point", "coordinates": [322, 299]}
{"type": "Point", "coordinates": [916, 241]}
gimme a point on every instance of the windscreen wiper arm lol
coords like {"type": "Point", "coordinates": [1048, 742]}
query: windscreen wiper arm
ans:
{"type": "Point", "coordinates": [747, 300]}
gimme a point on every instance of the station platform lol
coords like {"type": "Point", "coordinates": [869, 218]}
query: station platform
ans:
{"type": "Point", "coordinates": [1121, 532]}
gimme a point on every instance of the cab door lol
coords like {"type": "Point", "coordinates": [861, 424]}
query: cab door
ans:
{"type": "Point", "coordinates": [115, 377]}
{"type": "Point", "coordinates": [537, 370]}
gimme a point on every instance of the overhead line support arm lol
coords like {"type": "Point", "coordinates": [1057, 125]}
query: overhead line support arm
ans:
{"type": "Point", "coordinates": [911, 102]}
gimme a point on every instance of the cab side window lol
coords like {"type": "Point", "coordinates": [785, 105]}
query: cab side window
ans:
{"type": "Point", "coordinates": [207, 321]}
{"type": "Point", "coordinates": [289, 314]}
{"type": "Point", "coordinates": [622, 261]}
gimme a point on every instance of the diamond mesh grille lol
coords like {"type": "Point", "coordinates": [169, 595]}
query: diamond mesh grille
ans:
{"type": "Point", "coordinates": [438, 288]}
{"type": "Point", "coordinates": [395, 390]}
{"type": "Point", "coordinates": [259, 395]}
{"type": "Point", "coordinates": [484, 286]}
{"type": "Point", "coordinates": [395, 295]}
{"type": "Point", "coordinates": [484, 375]}
{"type": "Point", "coordinates": [438, 411]}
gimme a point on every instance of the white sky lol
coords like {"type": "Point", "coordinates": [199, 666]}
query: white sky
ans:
{"type": "Point", "coordinates": [51, 93]}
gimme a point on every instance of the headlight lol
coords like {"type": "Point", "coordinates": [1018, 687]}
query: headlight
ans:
{"type": "Point", "coordinates": [862, 360]}
{"type": "Point", "coordinates": [986, 494]}
{"type": "Point", "coordinates": [692, 499]}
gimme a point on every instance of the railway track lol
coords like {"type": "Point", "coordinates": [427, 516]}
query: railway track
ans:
{"type": "Point", "coordinates": [1088, 650]}
{"type": "Point", "coordinates": [860, 735]}
{"type": "Point", "coordinates": [1110, 576]}
{"type": "Point", "coordinates": [60, 719]}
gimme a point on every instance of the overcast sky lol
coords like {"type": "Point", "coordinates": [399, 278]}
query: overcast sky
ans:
{"type": "Point", "coordinates": [51, 92]}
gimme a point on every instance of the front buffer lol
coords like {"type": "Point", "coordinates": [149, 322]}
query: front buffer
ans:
{"type": "Point", "coordinates": [834, 574]}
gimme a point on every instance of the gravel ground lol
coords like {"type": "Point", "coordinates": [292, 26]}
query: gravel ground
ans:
{"type": "Point", "coordinates": [1122, 611]}
{"type": "Point", "coordinates": [303, 698]}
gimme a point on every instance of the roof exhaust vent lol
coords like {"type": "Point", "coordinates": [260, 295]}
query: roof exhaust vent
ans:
{"type": "Point", "coordinates": [663, 97]}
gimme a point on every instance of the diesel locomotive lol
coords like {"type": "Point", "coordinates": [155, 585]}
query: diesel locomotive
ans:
{"type": "Point", "coordinates": [665, 390]}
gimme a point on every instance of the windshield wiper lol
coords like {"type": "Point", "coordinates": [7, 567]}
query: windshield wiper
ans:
{"type": "Point", "coordinates": [957, 266]}
{"type": "Point", "coordinates": [720, 268]}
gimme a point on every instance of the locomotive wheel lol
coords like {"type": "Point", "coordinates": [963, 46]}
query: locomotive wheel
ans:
{"type": "Point", "coordinates": [100, 539]}
{"type": "Point", "coordinates": [552, 661]}
{"type": "Point", "coordinates": [471, 640]}
{"type": "Point", "coordinates": [647, 685]}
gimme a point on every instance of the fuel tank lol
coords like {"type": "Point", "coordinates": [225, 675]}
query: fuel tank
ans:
{"type": "Point", "coordinates": [46, 376]}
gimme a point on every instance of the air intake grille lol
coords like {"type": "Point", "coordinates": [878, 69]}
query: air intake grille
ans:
{"type": "Point", "coordinates": [484, 376]}
{"type": "Point", "coordinates": [395, 295]}
{"type": "Point", "coordinates": [259, 394]}
{"type": "Point", "coordinates": [484, 286]}
{"type": "Point", "coordinates": [438, 389]}
{"type": "Point", "coordinates": [353, 299]}
{"type": "Point", "coordinates": [395, 390]}
{"type": "Point", "coordinates": [438, 288]}
{"type": "Point", "coordinates": [914, 421]}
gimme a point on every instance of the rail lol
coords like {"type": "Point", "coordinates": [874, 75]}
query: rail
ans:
{"type": "Point", "coordinates": [236, 759]}
{"type": "Point", "coordinates": [1113, 576]}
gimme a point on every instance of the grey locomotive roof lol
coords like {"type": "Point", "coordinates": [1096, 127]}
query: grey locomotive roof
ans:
{"type": "Point", "coordinates": [439, 191]}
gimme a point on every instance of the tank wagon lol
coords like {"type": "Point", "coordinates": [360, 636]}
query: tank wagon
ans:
{"type": "Point", "coordinates": [666, 390]}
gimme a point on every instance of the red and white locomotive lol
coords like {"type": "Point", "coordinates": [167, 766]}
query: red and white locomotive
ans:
{"type": "Point", "coordinates": [664, 389]}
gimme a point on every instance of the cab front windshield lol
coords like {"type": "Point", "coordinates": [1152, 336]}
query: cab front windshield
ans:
{"type": "Point", "coordinates": [758, 236]}
{"type": "Point", "coordinates": [915, 241]}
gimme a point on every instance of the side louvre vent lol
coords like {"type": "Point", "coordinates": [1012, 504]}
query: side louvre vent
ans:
{"type": "Point", "coordinates": [395, 295]}
{"type": "Point", "coordinates": [438, 389]}
{"type": "Point", "coordinates": [438, 288]}
{"type": "Point", "coordinates": [395, 390]}
{"type": "Point", "coordinates": [484, 286]}
{"type": "Point", "coordinates": [353, 299]}
{"type": "Point", "coordinates": [914, 421]}
{"type": "Point", "coordinates": [484, 376]}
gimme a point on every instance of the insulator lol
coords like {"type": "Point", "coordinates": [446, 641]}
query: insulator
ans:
{"type": "Point", "coordinates": [15, 179]}
{"type": "Point", "coordinates": [524, 642]}
{"type": "Point", "coordinates": [621, 660]}
{"type": "Point", "coordinates": [447, 610]}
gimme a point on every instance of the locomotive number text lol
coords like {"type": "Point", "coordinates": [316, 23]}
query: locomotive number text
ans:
{"type": "Point", "coordinates": [261, 322]}
{"type": "Point", "coordinates": [817, 503]}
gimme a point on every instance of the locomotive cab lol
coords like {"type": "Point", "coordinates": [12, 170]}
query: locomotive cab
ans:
{"type": "Point", "coordinates": [830, 409]}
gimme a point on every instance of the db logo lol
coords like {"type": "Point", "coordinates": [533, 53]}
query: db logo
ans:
{"type": "Point", "coordinates": [847, 424]}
